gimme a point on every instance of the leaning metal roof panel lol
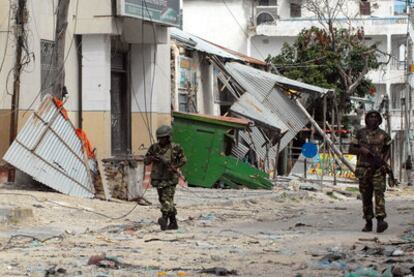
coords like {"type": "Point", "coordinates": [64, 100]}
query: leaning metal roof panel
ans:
{"type": "Point", "coordinates": [272, 79]}
{"type": "Point", "coordinates": [48, 149]}
{"type": "Point", "coordinates": [261, 85]}
{"type": "Point", "coordinates": [205, 46]}
{"type": "Point", "coordinates": [200, 44]}
{"type": "Point", "coordinates": [248, 106]}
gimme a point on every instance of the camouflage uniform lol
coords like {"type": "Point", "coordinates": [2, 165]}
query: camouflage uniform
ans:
{"type": "Point", "coordinates": [371, 177]}
{"type": "Point", "coordinates": [163, 177]}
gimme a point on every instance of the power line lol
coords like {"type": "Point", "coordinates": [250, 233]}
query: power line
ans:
{"type": "Point", "coordinates": [61, 70]}
{"type": "Point", "coordinates": [154, 32]}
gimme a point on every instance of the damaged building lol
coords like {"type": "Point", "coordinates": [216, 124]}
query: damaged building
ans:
{"type": "Point", "coordinates": [210, 79]}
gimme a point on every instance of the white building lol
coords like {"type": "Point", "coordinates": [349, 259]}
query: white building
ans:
{"type": "Point", "coordinates": [259, 28]}
{"type": "Point", "coordinates": [117, 68]}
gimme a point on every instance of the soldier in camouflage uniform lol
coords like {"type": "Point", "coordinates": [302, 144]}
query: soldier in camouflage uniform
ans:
{"type": "Point", "coordinates": [166, 158]}
{"type": "Point", "coordinates": [372, 146]}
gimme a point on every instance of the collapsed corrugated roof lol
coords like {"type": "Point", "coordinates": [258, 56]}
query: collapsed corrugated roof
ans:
{"type": "Point", "coordinates": [49, 149]}
{"type": "Point", "coordinates": [205, 46]}
{"type": "Point", "coordinates": [248, 106]}
{"type": "Point", "coordinates": [263, 87]}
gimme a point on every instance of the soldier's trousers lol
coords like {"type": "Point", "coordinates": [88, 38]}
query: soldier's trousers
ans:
{"type": "Point", "coordinates": [369, 186]}
{"type": "Point", "coordinates": [166, 198]}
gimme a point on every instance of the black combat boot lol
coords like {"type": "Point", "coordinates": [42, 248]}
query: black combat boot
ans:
{"type": "Point", "coordinates": [173, 223]}
{"type": "Point", "coordinates": [368, 226]}
{"type": "Point", "coordinates": [381, 225]}
{"type": "Point", "coordinates": [163, 221]}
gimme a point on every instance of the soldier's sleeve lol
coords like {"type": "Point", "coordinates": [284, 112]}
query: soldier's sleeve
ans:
{"type": "Point", "coordinates": [180, 158]}
{"type": "Point", "coordinates": [150, 152]}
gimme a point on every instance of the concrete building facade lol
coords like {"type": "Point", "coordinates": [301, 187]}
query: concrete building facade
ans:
{"type": "Point", "coordinates": [117, 71]}
{"type": "Point", "coordinates": [260, 28]}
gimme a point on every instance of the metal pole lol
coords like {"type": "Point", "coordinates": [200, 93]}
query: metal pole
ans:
{"type": "Point", "coordinates": [60, 37]}
{"type": "Point", "coordinates": [328, 140]}
{"type": "Point", "coordinates": [325, 107]}
{"type": "Point", "coordinates": [21, 19]}
{"type": "Point", "coordinates": [275, 171]}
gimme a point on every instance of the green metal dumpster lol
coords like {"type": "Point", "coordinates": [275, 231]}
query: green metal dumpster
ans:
{"type": "Point", "coordinates": [207, 141]}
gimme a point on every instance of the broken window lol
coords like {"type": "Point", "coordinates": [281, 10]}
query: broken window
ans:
{"type": "Point", "coordinates": [364, 7]}
{"type": "Point", "coordinates": [295, 10]}
{"type": "Point", "coordinates": [46, 61]}
{"type": "Point", "coordinates": [183, 102]}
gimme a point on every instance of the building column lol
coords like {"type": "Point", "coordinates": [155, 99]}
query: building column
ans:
{"type": "Point", "coordinates": [388, 75]}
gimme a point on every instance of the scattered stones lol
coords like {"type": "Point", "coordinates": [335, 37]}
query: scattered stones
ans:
{"type": "Point", "coordinates": [397, 253]}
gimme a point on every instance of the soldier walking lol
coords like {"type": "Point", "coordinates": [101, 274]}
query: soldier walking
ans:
{"type": "Point", "coordinates": [372, 147]}
{"type": "Point", "coordinates": [166, 157]}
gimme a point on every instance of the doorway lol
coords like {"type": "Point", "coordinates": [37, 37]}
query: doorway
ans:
{"type": "Point", "coordinates": [120, 105]}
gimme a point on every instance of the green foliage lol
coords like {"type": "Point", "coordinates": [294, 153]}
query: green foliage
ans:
{"type": "Point", "coordinates": [318, 57]}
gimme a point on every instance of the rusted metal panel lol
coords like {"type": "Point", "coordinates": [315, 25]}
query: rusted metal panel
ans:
{"type": "Point", "coordinates": [48, 149]}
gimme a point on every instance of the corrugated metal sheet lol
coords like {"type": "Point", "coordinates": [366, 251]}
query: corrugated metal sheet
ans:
{"type": "Point", "coordinates": [271, 79]}
{"type": "Point", "coordinates": [200, 44]}
{"type": "Point", "coordinates": [205, 46]}
{"type": "Point", "coordinates": [256, 141]}
{"type": "Point", "coordinates": [248, 106]}
{"type": "Point", "coordinates": [261, 85]}
{"type": "Point", "coordinates": [48, 149]}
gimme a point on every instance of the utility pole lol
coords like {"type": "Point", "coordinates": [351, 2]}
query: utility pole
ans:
{"type": "Point", "coordinates": [408, 97]}
{"type": "Point", "coordinates": [21, 20]}
{"type": "Point", "coordinates": [59, 58]}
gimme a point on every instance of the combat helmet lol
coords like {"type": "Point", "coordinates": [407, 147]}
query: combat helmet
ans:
{"type": "Point", "coordinates": [371, 112]}
{"type": "Point", "coordinates": [163, 131]}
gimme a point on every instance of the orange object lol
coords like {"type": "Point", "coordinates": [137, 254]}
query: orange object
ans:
{"type": "Point", "coordinates": [59, 104]}
{"type": "Point", "coordinates": [86, 144]}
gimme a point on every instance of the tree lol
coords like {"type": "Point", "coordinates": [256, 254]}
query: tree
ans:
{"type": "Point", "coordinates": [330, 56]}
{"type": "Point", "coordinates": [313, 59]}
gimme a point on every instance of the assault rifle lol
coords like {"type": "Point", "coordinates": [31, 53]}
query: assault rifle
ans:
{"type": "Point", "coordinates": [378, 162]}
{"type": "Point", "coordinates": [163, 160]}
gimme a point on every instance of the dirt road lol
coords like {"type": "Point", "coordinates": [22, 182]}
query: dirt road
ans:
{"type": "Point", "coordinates": [256, 233]}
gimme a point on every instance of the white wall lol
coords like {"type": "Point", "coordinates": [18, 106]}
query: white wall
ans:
{"type": "Point", "coordinates": [161, 93]}
{"type": "Point", "coordinates": [9, 58]}
{"type": "Point", "coordinates": [264, 46]}
{"type": "Point", "coordinates": [350, 9]}
{"type": "Point", "coordinates": [96, 72]}
{"type": "Point", "coordinates": [40, 26]}
{"type": "Point", "coordinates": [211, 20]}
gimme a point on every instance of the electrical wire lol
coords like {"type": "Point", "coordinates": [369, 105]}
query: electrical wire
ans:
{"type": "Point", "coordinates": [72, 208]}
{"type": "Point", "coordinates": [62, 68]}
{"type": "Point", "coordinates": [144, 67]}
{"type": "Point", "coordinates": [242, 29]}
{"type": "Point", "coordinates": [155, 35]}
